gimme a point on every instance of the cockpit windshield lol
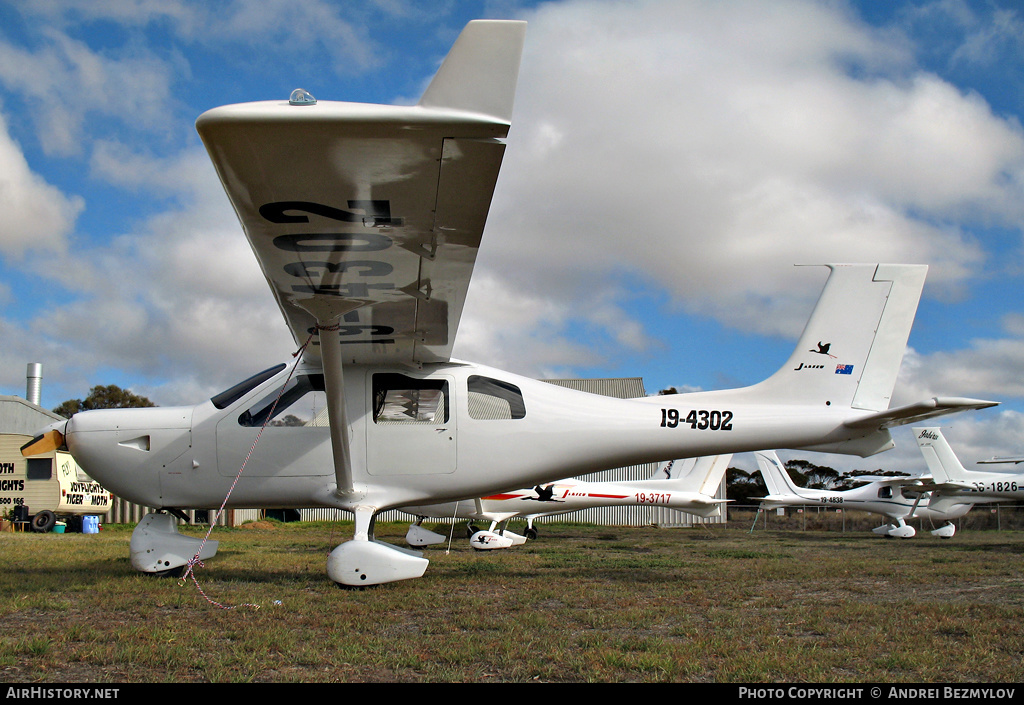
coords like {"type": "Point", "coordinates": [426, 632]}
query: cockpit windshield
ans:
{"type": "Point", "coordinates": [230, 396]}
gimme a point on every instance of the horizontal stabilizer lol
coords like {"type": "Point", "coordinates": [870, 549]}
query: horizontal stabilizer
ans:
{"type": "Point", "coordinates": [919, 411]}
{"type": "Point", "coordinates": [708, 512]}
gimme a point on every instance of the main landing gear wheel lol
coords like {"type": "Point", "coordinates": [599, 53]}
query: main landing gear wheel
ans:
{"type": "Point", "coordinates": [531, 534]}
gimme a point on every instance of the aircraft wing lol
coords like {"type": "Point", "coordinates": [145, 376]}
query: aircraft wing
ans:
{"type": "Point", "coordinates": [890, 480]}
{"type": "Point", "coordinates": [947, 487]}
{"type": "Point", "coordinates": [919, 411]}
{"type": "Point", "coordinates": [367, 218]}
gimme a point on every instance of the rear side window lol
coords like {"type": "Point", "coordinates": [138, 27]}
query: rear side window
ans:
{"type": "Point", "coordinates": [401, 399]}
{"type": "Point", "coordinates": [493, 399]}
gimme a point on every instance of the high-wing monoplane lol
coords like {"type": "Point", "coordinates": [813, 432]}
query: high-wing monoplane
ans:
{"type": "Point", "coordinates": [366, 221]}
{"type": "Point", "coordinates": [952, 479]}
{"type": "Point", "coordinates": [897, 498]}
{"type": "Point", "coordinates": [688, 485]}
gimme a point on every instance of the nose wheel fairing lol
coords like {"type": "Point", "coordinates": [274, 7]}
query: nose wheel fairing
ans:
{"type": "Point", "coordinates": [156, 546]}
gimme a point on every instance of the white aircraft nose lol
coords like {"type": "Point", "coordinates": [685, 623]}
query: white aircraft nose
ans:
{"type": "Point", "coordinates": [124, 449]}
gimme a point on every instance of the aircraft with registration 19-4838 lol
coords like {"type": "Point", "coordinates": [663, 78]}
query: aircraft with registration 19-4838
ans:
{"type": "Point", "coordinates": [366, 221]}
{"type": "Point", "coordinates": [896, 498]}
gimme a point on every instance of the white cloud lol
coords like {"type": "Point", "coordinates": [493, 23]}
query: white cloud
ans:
{"type": "Point", "coordinates": [177, 298]}
{"type": "Point", "coordinates": [37, 215]}
{"type": "Point", "coordinates": [63, 80]}
{"type": "Point", "coordinates": [708, 147]}
{"type": "Point", "coordinates": [987, 369]}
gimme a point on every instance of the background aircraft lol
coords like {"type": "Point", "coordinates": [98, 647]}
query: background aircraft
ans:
{"type": "Point", "coordinates": [951, 479]}
{"type": "Point", "coordinates": [898, 499]}
{"type": "Point", "coordinates": [366, 221]}
{"type": "Point", "coordinates": [688, 485]}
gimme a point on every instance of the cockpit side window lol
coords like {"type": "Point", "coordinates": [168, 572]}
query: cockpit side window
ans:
{"type": "Point", "coordinates": [885, 492]}
{"type": "Point", "coordinates": [230, 396]}
{"type": "Point", "coordinates": [493, 399]}
{"type": "Point", "coordinates": [303, 403]}
{"type": "Point", "coordinates": [401, 399]}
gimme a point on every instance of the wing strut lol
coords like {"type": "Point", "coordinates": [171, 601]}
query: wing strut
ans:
{"type": "Point", "coordinates": [334, 383]}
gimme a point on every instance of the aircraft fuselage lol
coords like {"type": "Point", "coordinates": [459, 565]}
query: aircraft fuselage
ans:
{"type": "Point", "coordinates": [885, 499]}
{"type": "Point", "coordinates": [451, 431]}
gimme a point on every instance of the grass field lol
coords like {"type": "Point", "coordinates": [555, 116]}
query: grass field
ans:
{"type": "Point", "coordinates": [582, 603]}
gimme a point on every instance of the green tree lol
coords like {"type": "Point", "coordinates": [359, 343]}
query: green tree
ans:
{"type": "Point", "coordinates": [103, 397]}
{"type": "Point", "coordinates": [815, 477]}
{"type": "Point", "coordinates": [743, 487]}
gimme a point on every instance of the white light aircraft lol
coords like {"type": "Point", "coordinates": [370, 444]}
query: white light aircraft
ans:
{"type": "Point", "coordinates": [898, 498]}
{"type": "Point", "coordinates": [688, 485]}
{"type": "Point", "coordinates": [366, 220]}
{"type": "Point", "coordinates": [952, 479]}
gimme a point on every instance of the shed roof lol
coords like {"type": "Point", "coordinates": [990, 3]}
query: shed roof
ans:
{"type": "Point", "coordinates": [19, 415]}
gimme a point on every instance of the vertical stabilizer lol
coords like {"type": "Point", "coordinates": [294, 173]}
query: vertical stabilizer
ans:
{"type": "Point", "coordinates": [713, 468]}
{"type": "Point", "coordinates": [774, 473]}
{"type": "Point", "coordinates": [851, 349]}
{"type": "Point", "coordinates": [695, 475]}
{"type": "Point", "coordinates": [939, 456]}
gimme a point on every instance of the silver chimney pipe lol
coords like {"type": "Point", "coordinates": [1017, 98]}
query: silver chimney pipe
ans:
{"type": "Point", "coordinates": [34, 386]}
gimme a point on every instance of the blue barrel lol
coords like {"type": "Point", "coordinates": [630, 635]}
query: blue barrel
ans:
{"type": "Point", "coordinates": [90, 525]}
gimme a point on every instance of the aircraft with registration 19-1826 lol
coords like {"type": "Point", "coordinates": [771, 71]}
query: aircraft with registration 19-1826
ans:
{"type": "Point", "coordinates": [951, 479]}
{"type": "Point", "coordinates": [366, 221]}
{"type": "Point", "coordinates": [687, 485]}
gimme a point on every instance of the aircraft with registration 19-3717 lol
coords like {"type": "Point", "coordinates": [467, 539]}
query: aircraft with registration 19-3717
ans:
{"type": "Point", "coordinates": [366, 221]}
{"type": "Point", "coordinates": [687, 485]}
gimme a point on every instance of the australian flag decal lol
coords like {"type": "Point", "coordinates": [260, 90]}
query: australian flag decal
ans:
{"type": "Point", "coordinates": [844, 369]}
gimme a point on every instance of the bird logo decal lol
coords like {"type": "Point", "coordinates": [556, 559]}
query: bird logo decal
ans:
{"type": "Point", "coordinates": [823, 349]}
{"type": "Point", "coordinates": [544, 494]}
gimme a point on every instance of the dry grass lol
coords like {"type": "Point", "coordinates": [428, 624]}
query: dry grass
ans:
{"type": "Point", "coordinates": [583, 603]}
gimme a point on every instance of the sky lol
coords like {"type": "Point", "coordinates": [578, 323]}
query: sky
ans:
{"type": "Point", "coordinates": [669, 162]}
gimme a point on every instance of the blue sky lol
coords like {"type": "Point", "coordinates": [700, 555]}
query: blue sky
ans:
{"type": "Point", "coordinates": [669, 161]}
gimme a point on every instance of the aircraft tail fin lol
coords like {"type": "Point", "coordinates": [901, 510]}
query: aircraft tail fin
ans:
{"type": "Point", "coordinates": [697, 475]}
{"type": "Point", "coordinates": [852, 346]}
{"type": "Point", "coordinates": [714, 468]}
{"type": "Point", "coordinates": [776, 479]}
{"type": "Point", "coordinates": [850, 353]}
{"type": "Point", "coordinates": [942, 461]}
{"type": "Point", "coordinates": [479, 74]}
